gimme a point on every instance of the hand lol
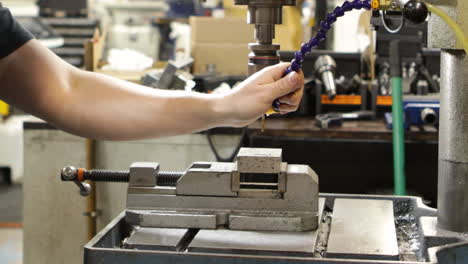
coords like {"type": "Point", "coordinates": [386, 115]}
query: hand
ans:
{"type": "Point", "coordinates": [254, 97]}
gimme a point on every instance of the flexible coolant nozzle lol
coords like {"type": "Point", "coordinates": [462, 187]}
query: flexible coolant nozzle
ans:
{"type": "Point", "coordinates": [325, 25]}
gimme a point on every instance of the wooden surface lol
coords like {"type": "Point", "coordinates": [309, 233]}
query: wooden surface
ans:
{"type": "Point", "coordinates": [305, 127]}
{"type": "Point", "coordinates": [367, 130]}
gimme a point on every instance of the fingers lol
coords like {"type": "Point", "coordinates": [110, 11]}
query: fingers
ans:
{"type": "Point", "coordinates": [286, 85]}
{"type": "Point", "coordinates": [292, 99]}
{"type": "Point", "coordinates": [285, 108]}
{"type": "Point", "coordinates": [276, 71]}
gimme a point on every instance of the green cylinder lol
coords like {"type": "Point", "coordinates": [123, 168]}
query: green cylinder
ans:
{"type": "Point", "coordinates": [398, 137]}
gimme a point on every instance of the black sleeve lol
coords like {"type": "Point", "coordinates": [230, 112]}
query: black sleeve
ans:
{"type": "Point", "coordinates": [12, 34]}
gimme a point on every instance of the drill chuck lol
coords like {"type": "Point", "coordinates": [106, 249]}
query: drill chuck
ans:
{"type": "Point", "coordinates": [262, 55]}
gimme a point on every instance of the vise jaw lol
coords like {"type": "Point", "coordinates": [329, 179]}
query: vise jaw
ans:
{"type": "Point", "coordinates": [257, 192]}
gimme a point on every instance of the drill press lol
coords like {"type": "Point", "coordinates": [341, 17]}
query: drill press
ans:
{"type": "Point", "coordinates": [167, 223]}
{"type": "Point", "coordinates": [264, 14]}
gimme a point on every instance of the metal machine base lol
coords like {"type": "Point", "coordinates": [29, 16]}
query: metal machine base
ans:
{"type": "Point", "coordinates": [353, 229]}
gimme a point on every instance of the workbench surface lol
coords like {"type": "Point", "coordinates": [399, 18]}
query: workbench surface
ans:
{"type": "Point", "coordinates": [305, 127]}
{"type": "Point", "coordinates": [366, 130]}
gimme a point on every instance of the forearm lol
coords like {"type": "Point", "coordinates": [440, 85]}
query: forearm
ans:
{"type": "Point", "coordinates": [98, 106]}
{"type": "Point", "coordinates": [93, 105]}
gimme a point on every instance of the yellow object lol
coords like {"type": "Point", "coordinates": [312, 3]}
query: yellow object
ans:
{"type": "Point", "coordinates": [271, 112]}
{"type": "Point", "coordinates": [311, 22]}
{"type": "Point", "coordinates": [461, 37]}
{"type": "Point", "coordinates": [375, 4]}
{"type": "Point", "coordinates": [4, 109]}
{"type": "Point", "coordinates": [289, 35]}
{"type": "Point", "coordinates": [385, 5]}
{"type": "Point", "coordinates": [232, 10]}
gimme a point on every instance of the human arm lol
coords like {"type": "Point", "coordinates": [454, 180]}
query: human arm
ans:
{"type": "Point", "coordinates": [97, 106]}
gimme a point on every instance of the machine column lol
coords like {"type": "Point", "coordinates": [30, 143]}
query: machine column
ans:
{"type": "Point", "coordinates": [453, 124]}
{"type": "Point", "coordinates": [453, 142]}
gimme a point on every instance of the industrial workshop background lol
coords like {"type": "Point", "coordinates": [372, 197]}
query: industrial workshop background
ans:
{"type": "Point", "coordinates": [372, 167]}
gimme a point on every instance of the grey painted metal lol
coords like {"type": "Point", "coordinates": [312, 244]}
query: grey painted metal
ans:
{"type": "Point", "coordinates": [439, 34]}
{"type": "Point", "coordinates": [435, 236]}
{"type": "Point", "coordinates": [144, 173]}
{"type": "Point", "coordinates": [453, 135]}
{"type": "Point", "coordinates": [254, 242]}
{"type": "Point", "coordinates": [363, 229]}
{"type": "Point", "coordinates": [160, 218]}
{"type": "Point", "coordinates": [259, 160]}
{"type": "Point", "coordinates": [454, 95]}
{"type": "Point", "coordinates": [156, 239]}
{"type": "Point", "coordinates": [453, 142]}
{"type": "Point", "coordinates": [199, 180]}
{"type": "Point", "coordinates": [205, 196]}
{"type": "Point", "coordinates": [268, 223]}
{"type": "Point", "coordinates": [105, 249]}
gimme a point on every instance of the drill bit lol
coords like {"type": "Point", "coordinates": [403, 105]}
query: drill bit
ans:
{"type": "Point", "coordinates": [263, 123]}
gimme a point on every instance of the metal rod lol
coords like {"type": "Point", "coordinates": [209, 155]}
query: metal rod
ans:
{"type": "Point", "coordinates": [91, 199]}
{"type": "Point", "coordinates": [398, 131]}
{"type": "Point", "coordinates": [70, 173]}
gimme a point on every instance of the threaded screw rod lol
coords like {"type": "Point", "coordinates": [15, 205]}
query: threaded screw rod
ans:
{"type": "Point", "coordinates": [106, 175]}
{"type": "Point", "coordinates": [165, 178]}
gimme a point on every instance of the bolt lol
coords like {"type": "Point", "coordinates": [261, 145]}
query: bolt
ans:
{"type": "Point", "coordinates": [85, 188]}
{"type": "Point", "coordinates": [69, 173]}
{"type": "Point", "coordinates": [394, 5]}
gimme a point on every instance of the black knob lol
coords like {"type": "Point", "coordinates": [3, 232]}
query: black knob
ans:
{"type": "Point", "coordinates": [416, 11]}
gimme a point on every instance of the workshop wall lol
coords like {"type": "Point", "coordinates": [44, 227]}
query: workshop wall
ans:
{"type": "Point", "coordinates": [53, 221]}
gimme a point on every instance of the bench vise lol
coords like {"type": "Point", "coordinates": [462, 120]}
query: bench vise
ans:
{"type": "Point", "coordinates": [256, 192]}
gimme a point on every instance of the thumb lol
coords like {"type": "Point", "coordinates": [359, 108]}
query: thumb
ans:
{"type": "Point", "coordinates": [285, 85]}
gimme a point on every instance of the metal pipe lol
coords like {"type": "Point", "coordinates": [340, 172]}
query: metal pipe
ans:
{"type": "Point", "coordinates": [397, 117]}
{"type": "Point", "coordinates": [453, 142]}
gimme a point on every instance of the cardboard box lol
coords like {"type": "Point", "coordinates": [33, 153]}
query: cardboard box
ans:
{"type": "Point", "coordinates": [230, 59]}
{"type": "Point", "coordinates": [232, 30]}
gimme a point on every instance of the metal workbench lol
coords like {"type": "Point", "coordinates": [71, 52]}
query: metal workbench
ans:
{"type": "Point", "coordinates": [353, 229]}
